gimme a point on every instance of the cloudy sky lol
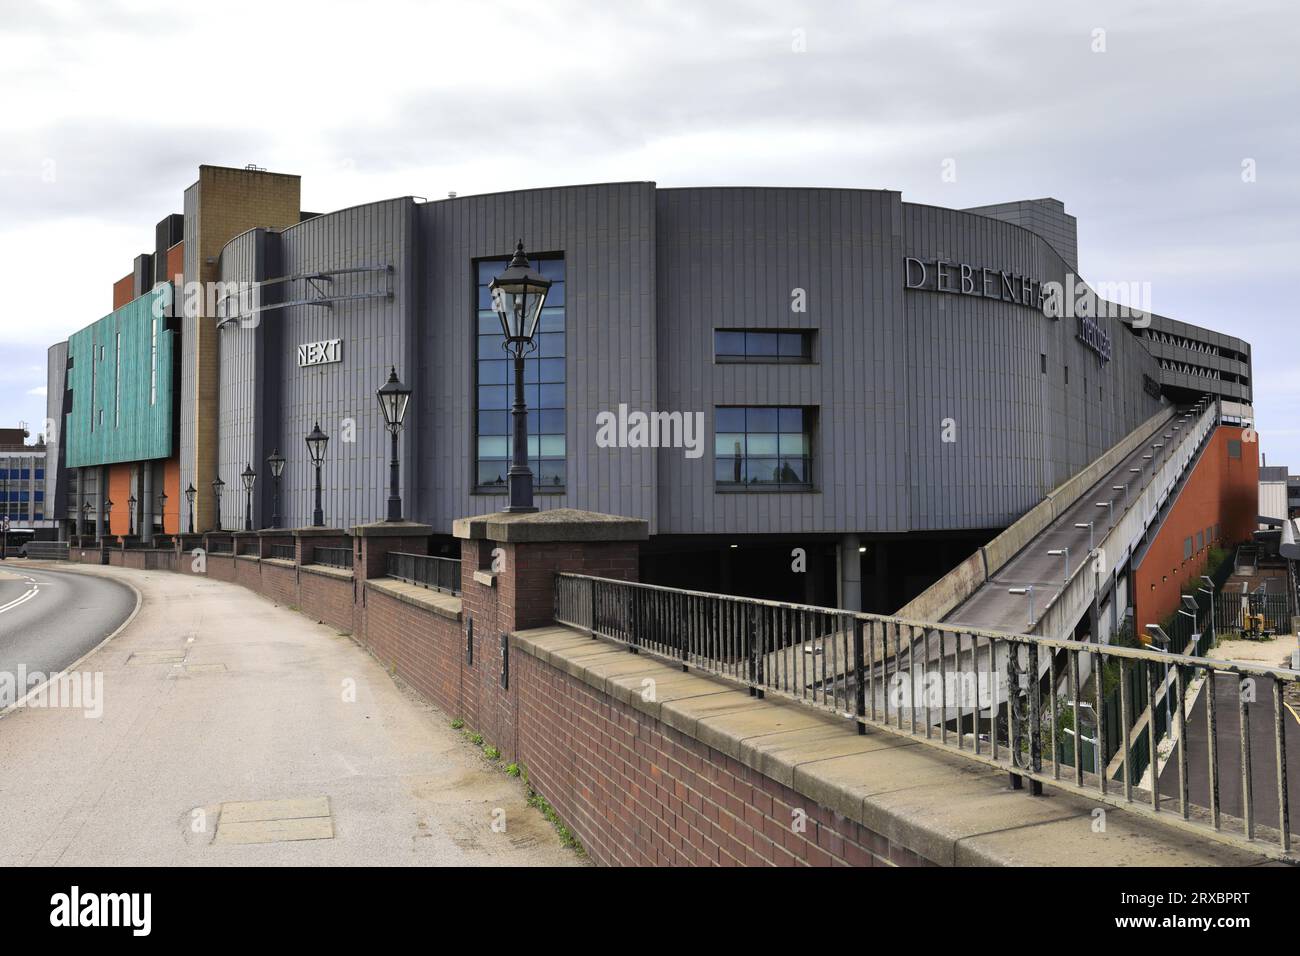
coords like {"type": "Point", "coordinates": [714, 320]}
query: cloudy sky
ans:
{"type": "Point", "coordinates": [110, 106]}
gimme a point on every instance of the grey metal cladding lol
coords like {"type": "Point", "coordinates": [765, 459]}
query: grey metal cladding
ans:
{"type": "Point", "coordinates": [340, 395]}
{"type": "Point", "coordinates": [238, 383]}
{"type": "Point", "coordinates": [606, 233]}
{"type": "Point", "coordinates": [56, 383]}
{"type": "Point", "coordinates": [976, 364]}
{"type": "Point", "coordinates": [732, 258]}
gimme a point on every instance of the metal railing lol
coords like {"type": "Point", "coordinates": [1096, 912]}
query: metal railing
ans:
{"type": "Point", "coordinates": [221, 546]}
{"type": "Point", "coordinates": [1004, 700]}
{"type": "Point", "coordinates": [332, 557]}
{"type": "Point", "coordinates": [283, 552]}
{"type": "Point", "coordinates": [426, 570]}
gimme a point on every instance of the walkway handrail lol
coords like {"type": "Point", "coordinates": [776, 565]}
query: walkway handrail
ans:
{"type": "Point", "coordinates": [967, 690]}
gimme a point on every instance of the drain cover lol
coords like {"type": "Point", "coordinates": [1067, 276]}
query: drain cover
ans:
{"type": "Point", "coordinates": [275, 821]}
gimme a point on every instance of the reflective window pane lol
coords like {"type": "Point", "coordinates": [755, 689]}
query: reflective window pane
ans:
{"type": "Point", "coordinates": [544, 378]}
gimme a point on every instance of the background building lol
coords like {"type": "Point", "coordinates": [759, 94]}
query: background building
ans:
{"type": "Point", "coordinates": [22, 480]}
{"type": "Point", "coordinates": [877, 380]}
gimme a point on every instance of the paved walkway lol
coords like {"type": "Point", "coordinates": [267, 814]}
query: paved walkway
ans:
{"type": "Point", "coordinates": [214, 696]}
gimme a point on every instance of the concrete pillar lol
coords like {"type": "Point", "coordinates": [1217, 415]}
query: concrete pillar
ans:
{"type": "Point", "coordinates": [146, 502]}
{"type": "Point", "coordinates": [99, 511]}
{"type": "Point", "coordinates": [850, 597]}
{"type": "Point", "coordinates": [812, 575]}
{"type": "Point", "coordinates": [81, 500]}
{"type": "Point", "coordinates": [532, 548]}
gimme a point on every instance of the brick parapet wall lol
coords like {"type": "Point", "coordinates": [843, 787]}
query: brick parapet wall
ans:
{"type": "Point", "coordinates": [640, 793]}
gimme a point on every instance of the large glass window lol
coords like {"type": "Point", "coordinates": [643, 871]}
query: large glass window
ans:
{"type": "Point", "coordinates": [763, 447]}
{"type": "Point", "coordinates": [759, 346]}
{"type": "Point", "coordinates": [544, 380]}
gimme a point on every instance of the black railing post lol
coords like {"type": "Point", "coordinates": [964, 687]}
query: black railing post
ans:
{"type": "Point", "coordinates": [592, 585]}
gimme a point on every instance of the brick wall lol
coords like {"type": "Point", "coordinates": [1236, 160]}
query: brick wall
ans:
{"type": "Point", "coordinates": [425, 649]}
{"type": "Point", "coordinates": [326, 598]}
{"type": "Point", "coordinates": [280, 584]}
{"type": "Point", "coordinates": [639, 793]}
{"type": "Point", "coordinates": [1222, 490]}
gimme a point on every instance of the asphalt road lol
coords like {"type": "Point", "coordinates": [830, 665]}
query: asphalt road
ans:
{"type": "Point", "coordinates": [48, 619]}
{"type": "Point", "coordinates": [1263, 764]}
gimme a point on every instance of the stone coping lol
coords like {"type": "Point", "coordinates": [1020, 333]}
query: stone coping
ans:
{"type": "Point", "coordinates": [325, 571]}
{"type": "Point", "coordinates": [318, 532]}
{"type": "Point", "coordinates": [274, 533]}
{"type": "Point", "coordinates": [392, 529]}
{"type": "Point", "coordinates": [556, 524]}
{"type": "Point", "coordinates": [280, 562]}
{"type": "Point", "coordinates": [950, 811]}
{"type": "Point", "coordinates": [444, 605]}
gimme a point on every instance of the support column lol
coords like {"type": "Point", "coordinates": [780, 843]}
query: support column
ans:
{"type": "Point", "coordinates": [99, 511]}
{"type": "Point", "coordinates": [146, 502]}
{"type": "Point", "coordinates": [850, 598]}
{"type": "Point", "coordinates": [81, 500]}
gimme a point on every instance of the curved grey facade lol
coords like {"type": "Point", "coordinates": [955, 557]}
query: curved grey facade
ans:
{"type": "Point", "coordinates": [932, 408]}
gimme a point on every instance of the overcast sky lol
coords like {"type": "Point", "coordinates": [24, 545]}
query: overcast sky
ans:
{"type": "Point", "coordinates": [109, 107]}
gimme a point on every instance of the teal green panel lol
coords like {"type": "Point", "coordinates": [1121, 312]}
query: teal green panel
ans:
{"type": "Point", "coordinates": [123, 396]}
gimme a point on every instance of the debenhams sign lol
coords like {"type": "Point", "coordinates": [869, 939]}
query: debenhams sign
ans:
{"type": "Point", "coordinates": [1049, 298]}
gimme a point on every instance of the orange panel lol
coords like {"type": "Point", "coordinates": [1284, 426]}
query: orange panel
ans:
{"type": "Point", "coordinates": [119, 489]}
{"type": "Point", "coordinates": [175, 501]}
{"type": "Point", "coordinates": [123, 292]}
{"type": "Point", "coordinates": [1221, 491]}
{"type": "Point", "coordinates": [175, 265]}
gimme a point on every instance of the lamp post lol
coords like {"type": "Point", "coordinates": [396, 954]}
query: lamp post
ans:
{"type": "Point", "coordinates": [316, 442]}
{"type": "Point", "coordinates": [1123, 488]}
{"type": "Point", "coordinates": [130, 515]}
{"type": "Point", "coordinates": [85, 517]}
{"type": "Point", "coordinates": [1209, 589]}
{"type": "Point", "coordinates": [190, 494]}
{"type": "Point", "coordinates": [249, 477]}
{"type": "Point", "coordinates": [518, 296]}
{"type": "Point", "coordinates": [1110, 511]}
{"type": "Point", "coordinates": [393, 398]}
{"type": "Point", "coordinates": [162, 511]}
{"type": "Point", "coordinates": [276, 462]}
{"type": "Point", "coordinates": [217, 486]}
{"type": "Point", "coordinates": [108, 512]}
{"type": "Point", "coordinates": [1058, 552]}
{"type": "Point", "coordinates": [1087, 524]}
{"type": "Point", "coordinates": [1027, 590]}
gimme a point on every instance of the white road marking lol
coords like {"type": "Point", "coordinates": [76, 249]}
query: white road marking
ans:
{"type": "Point", "coordinates": [31, 593]}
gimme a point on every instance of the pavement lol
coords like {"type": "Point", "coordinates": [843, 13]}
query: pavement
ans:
{"type": "Point", "coordinates": [232, 731]}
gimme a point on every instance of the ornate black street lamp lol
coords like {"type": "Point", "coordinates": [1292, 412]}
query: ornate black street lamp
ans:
{"type": "Point", "coordinates": [190, 494]}
{"type": "Point", "coordinates": [276, 461]}
{"type": "Point", "coordinates": [130, 515]}
{"type": "Point", "coordinates": [393, 399]}
{"type": "Point", "coordinates": [162, 511]}
{"type": "Point", "coordinates": [249, 477]}
{"type": "Point", "coordinates": [518, 296]}
{"type": "Point", "coordinates": [217, 486]}
{"type": "Point", "coordinates": [316, 442]}
{"type": "Point", "coordinates": [85, 517]}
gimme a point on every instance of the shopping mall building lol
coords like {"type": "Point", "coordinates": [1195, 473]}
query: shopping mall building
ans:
{"type": "Point", "coordinates": [880, 383]}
